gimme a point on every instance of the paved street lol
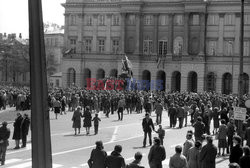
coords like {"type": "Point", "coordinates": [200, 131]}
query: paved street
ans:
{"type": "Point", "coordinates": [70, 151]}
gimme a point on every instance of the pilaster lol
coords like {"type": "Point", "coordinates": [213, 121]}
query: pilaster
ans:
{"type": "Point", "coordinates": [170, 34]}
{"type": "Point", "coordinates": [95, 31]}
{"type": "Point", "coordinates": [186, 33]}
{"type": "Point", "coordinates": [155, 40]}
{"type": "Point", "coordinates": [221, 34]}
{"type": "Point", "coordinates": [123, 32]}
{"type": "Point", "coordinates": [202, 35]}
{"type": "Point", "coordinates": [137, 32]}
{"type": "Point", "coordinates": [66, 30]}
{"type": "Point", "coordinates": [237, 35]}
{"type": "Point", "coordinates": [108, 33]}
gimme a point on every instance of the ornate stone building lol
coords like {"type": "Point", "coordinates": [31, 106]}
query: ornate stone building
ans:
{"type": "Point", "coordinates": [191, 45]}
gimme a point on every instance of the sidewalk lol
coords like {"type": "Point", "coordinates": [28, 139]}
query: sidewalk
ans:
{"type": "Point", "coordinates": [222, 162]}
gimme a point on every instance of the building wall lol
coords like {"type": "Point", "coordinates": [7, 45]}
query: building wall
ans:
{"type": "Point", "coordinates": [193, 45]}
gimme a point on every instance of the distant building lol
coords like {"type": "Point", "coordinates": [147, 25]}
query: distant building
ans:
{"type": "Point", "coordinates": [14, 60]}
{"type": "Point", "coordinates": [191, 45]}
{"type": "Point", "coordinates": [56, 80]}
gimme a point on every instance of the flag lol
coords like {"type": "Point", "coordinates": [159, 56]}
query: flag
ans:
{"type": "Point", "coordinates": [68, 51]}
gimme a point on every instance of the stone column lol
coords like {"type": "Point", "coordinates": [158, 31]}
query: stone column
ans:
{"type": "Point", "coordinates": [123, 32]}
{"type": "Point", "coordinates": [170, 34]}
{"type": "Point", "coordinates": [221, 34]}
{"type": "Point", "coordinates": [202, 35]}
{"type": "Point", "coordinates": [186, 33]}
{"type": "Point", "coordinates": [108, 33]}
{"type": "Point", "coordinates": [79, 23]}
{"type": "Point", "coordinates": [95, 32]}
{"type": "Point", "coordinates": [155, 40]}
{"type": "Point", "coordinates": [137, 33]}
{"type": "Point", "coordinates": [66, 30]}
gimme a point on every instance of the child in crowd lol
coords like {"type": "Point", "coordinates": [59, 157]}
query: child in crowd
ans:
{"type": "Point", "coordinates": [161, 133]}
{"type": "Point", "coordinates": [96, 120]}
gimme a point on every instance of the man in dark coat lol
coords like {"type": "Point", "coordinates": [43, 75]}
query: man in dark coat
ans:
{"type": "Point", "coordinates": [4, 136]}
{"type": "Point", "coordinates": [245, 160]}
{"type": "Point", "coordinates": [237, 150]}
{"type": "Point", "coordinates": [147, 126]}
{"type": "Point", "coordinates": [25, 129]}
{"type": "Point", "coordinates": [199, 129]}
{"type": "Point", "coordinates": [156, 154]}
{"type": "Point", "coordinates": [115, 160]}
{"type": "Point", "coordinates": [172, 114]}
{"type": "Point", "coordinates": [98, 156]}
{"type": "Point", "coordinates": [208, 154]}
{"type": "Point", "coordinates": [136, 162]}
{"type": "Point", "coordinates": [17, 130]}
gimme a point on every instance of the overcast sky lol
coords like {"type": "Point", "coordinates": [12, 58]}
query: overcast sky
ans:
{"type": "Point", "coordinates": [14, 15]}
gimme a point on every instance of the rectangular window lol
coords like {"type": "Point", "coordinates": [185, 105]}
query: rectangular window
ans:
{"type": "Point", "coordinates": [162, 47]}
{"type": "Point", "coordinates": [163, 20]}
{"type": "Point", "coordinates": [213, 19]}
{"type": "Point", "coordinates": [116, 20]}
{"type": "Point", "coordinates": [89, 20]}
{"type": "Point", "coordinates": [195, 19]}
{"type": "Point", "coordinates": [115, 46]}
{"type": "Point", "coordinates": [147, 46]}
{"type": "Point", "coordinates": [229, 19]}
{"type": "Point", "coordinates": [247, 19]}
{"type": "Point", "coordinates": [101, 46]}
{"type": "Point", "coordinates": [72, 19]}
{"type": "Point", "coordinates": [212, 48]}
{"type": "Point", "coordinates": [131, 20]}
{"type": "Point", "coordinates": [178, 19]}
{"type": "Point", "coordinates": [88, 45]}
{"type": "Point", "coordinates": [73, 41]}
{"type": "Point", "coordinates": [148, 20]}
{"type": "Point", "coordinates": [101, 20]}
{"type": "Point", "coordinates": [228, 48]}
{"type": "Point", "coordinates": [246, 48]}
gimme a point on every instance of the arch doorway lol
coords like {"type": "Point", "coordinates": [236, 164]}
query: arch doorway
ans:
{"type": "Point", "coordinates": [146, 76]}
{"type": "Point", "coordinates": [192, 82]}
{"type": "Point", "coordinates": [161, 77]}
{"type": "Point", "coordinates": [100, 74]}
{"type": "Point", "coordinates": [86, 75]}
{"type": "Point", "coordinates": [113, 73]}
{"type": "Point", "coordinates": [176, 81]}
{"type": "Point", "coordinates": [245, 84]}
{"type": "Point", "coordinates": [227, 83]}
{"type": "Point", "coordinates": [211, 81]}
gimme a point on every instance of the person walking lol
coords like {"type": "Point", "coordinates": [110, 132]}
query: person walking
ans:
{"type": "Point", "coordinates": [156, 154]}
{"type": "Point", "coordinates": [57, 107]}
{"type": "Point", "coordinates": [4, 136]}
{"type": "Point", "coordinates": [137, 162]}
{"type": "Point", "coordinates": [25, 124]}
{"type": "Point", "coordinates": [193, 155]}
{"type": "Point", "coordinates": [158, 111]}
{"type": "Point", "coordinates": [231, 129]}
{"type": "Point", "coordinates": [96, 120]}
{"type": "Point", "coordinates": [147, 126]}
{"type": "Point", "coordinates": [222, 137]}
{"type": "Point", "coordinates": [87, 119]}
{"type": "Point", "coordinates": [97, 156]}
{"type": "Point", "coordinates": [76, 118]}
{"type": "Point", "coordinates": [115, 159]}
{"type": "Point", "coordinates": [172, 115]}
{"type": "Point", "coordinates": [208, 154]}
{"type": "Point", "coordinates": [121, 106]}
{"type": "Point", "coordinates": [178, 160]}
{"type": "Point", "coordinates": [237, 150]}
{"type": "Point", "coordinates": [180, 114]}
{"type": "Point", "coordinates": [17, 130]}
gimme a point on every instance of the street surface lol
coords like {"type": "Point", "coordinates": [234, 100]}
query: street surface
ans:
{"type": "Point", "coordinates": [70, 151]}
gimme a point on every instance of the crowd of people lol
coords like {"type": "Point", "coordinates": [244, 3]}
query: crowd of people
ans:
{"type": "Point", "coordinates": [204, 109]}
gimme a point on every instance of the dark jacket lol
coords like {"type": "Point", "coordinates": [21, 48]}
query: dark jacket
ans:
{"type": "Point", "coordinates": [156, 154]}
{"type": "Point", "coordinates": [134, 164]}
{"type": "Point", "coordinates": [4, 135]}
{"type": "Point", "coordinates": [199, 129]}
{"type": "Point", "coordinates": [17, 128]}
{"type": "Point", "coordinates": [245, 161]}
{"type": "Point", "coordinates": [236, 153]}
{"type": "Point", "coordinates": [147, 125]}
{"type": "Point", "coordinates": [208, 155]}
{"type": "Point", "coordinates": [97, 158]}
{"type": "Point", "coordinates": [115, 160]}
{"type": "Point", "coordinates": [25, 126]}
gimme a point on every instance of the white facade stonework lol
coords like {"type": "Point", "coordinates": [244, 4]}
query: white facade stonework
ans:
{"type": "Point", "coordinates": [192, 45]}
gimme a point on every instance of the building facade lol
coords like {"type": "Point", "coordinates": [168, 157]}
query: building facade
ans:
{"type": "Point", "coordinates": [191, 45]}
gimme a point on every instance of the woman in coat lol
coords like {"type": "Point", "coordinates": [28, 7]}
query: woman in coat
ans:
{"type": "Point", "coordinates": [193, 155]}
{"type": "Point", "coordinates": [215, 116]}
{"type": "Point", "coordinates": [87, 119]}
{"type": "Point", "coordinates": [17, 130]}
{"type": "Point", "coordinates": [97, 156]}
{"type": "Point", "coordinates": [76, 118]}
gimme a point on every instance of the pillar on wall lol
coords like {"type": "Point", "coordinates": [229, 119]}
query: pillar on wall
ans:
{"type": "Point", "coordinates": [170, 34]}
{"type": "Point", "coordinates": [95, 32]}
{"type": "Point", "coordinates": [221, 34]}
{"type": "Point", "coordinates": [108, 33]}
{"type": "Point", "coordinates": [123, 32]}
{"type": "Point", "coordinates": [202, 35]}
{"type": "Point", "coordinates": [156, 23]}
{"type": "Point", "coordinates": [138, 32]}
{"type": "Point", "coordinates": [186, 33]}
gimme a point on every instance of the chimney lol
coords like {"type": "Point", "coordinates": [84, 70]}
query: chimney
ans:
{"type": "Point", "coordinates": [20, 35]}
